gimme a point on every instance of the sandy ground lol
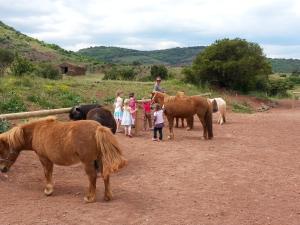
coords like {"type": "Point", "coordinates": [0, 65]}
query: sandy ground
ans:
{"type": "Point", "coordinates": [248, 174]}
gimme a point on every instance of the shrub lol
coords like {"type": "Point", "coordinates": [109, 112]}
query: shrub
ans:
{"type": "Point", "coordinates": [122, 73]}
{"type": "Point", "coordinates": [279, 87]}
{"type": "Point", "coordinates": [159, 70]}
{"type": "Point", "coordinates": [21, 66]}
{"type": "Point", "coordinates": [6, 58]}
{"type": "Point", "coordinates": [233, 64]}
{"type": "Point", "coordinates": [47, 70]}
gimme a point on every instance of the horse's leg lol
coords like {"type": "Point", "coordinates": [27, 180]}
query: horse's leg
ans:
{"type": "Point", "coordinates": [48, 169]}
{"type": "Point", "coordinates": [182, 122]}
{"type": "Point", "coordinates": [107, 191]}
{"type": "Point", "coordinates": [177, 121]}
{"type": "Point", "coordinates": [171, 124]}
{"type": "Point", "coordinates": [202, 120]}
{"type": "Point", "coordinates": [92, 175]}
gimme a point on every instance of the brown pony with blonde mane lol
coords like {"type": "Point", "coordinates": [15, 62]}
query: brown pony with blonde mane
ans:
{"type": "Point", "coordinates": [65, 144]}
{"type": "Point", "coordinates": [186, 107]}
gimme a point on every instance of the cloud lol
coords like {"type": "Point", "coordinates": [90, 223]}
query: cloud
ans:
{"type": "Point", "coordinates": [156, 24]}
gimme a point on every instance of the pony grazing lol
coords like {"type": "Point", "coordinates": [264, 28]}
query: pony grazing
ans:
{"type": "Point", "coordinates": [186, 107]}
{"type": "Point", "coordinates": [219, 105]}
{"type": "Point", "coordinates": [65, 144]}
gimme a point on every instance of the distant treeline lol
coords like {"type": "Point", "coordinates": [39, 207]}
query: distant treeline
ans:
{"type": "Point", "coordinates": [285, 65]}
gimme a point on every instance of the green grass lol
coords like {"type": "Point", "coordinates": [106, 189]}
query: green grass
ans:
{"type": "Point", "coordinates": [34, 93]}
{"type": "Point", "coordinates": [4, 126]}
{"type": "Point", "coordinates": [241, 107]}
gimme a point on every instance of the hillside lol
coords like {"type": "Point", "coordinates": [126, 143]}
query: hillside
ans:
{"type": "Point", "coordinates": [285, 65]}
{"type": "Point", "coordinates": [173, 56]}
{"type": "Point", "coordinates": [34, 49]}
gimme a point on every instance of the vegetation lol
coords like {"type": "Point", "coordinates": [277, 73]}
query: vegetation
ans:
{"type": "Point", "coordinates": [47, 70]}
{"type": "Point", "coordinates": [120, 73]}
{"type": "Point", "coordinates": [232, 64]}
{"type": "Point", "coordinates": [21, 66]}
{"type": "Point", "coordinates": [173, 56]}
{"type": "Point", "coordinates": [35, 50]}
{"type": "Point", "coordinates": [159, 70]}
{"type": "Point", "coordinates": [285, 65]}
{"type": "Point", "coordinates": [241, 107]}
{"type": "Point", "coordinates": [6, 58]}
{"type": "Point", "coordinates": [33, 93]}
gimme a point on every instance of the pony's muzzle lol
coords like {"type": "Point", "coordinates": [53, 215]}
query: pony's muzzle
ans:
{"type": "Point", "coordinates": [4, 169]}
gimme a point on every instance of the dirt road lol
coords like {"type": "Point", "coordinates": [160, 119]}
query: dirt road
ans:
{"type": "Point", "coordinates": [248, 174]}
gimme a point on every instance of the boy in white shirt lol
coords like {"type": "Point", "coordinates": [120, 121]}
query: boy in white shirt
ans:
{"type": "Point", "coordinates": [158, 123]}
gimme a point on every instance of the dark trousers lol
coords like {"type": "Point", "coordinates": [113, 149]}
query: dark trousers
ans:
{"type": "Point", "coordinates": [160, 132]}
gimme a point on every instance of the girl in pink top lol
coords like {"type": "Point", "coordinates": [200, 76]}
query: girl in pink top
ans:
{"type": "Point", "coordinates": [132, 105]}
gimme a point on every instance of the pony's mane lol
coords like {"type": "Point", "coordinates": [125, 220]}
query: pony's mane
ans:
{"type": "Point", "coordinates": [15, 137]}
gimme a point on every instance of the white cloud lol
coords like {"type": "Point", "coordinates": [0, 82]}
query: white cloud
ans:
{"type": "Point", "coordinates": [155, 24]}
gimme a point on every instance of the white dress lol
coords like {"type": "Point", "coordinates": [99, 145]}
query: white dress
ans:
{"type": "Point", "coordinates": [126, 118]}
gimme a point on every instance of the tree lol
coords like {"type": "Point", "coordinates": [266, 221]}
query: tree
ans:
{"type": "Point", "coordinates": [234, 64]}
{"type": "Point", "coordinates": [159, 70]}
{"type": "Point", "coordinates": [6, 58]}
{"type": "Point", "coordinates": [20, 66]}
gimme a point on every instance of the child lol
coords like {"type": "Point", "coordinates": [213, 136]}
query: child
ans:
{"type": "Point", "coordinates": [158, 123]}
{"type": "Point", "coordinates": [127, 118]}
{"type": "Point", "coordinates": [147, 114]}
{"type": "Point", "coordinates": [132, 105]}
{"type": "Point", "coordinates": [118, 109]}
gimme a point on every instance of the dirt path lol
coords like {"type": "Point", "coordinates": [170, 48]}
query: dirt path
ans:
{"type": "Point", "coordinates": [249, 174]}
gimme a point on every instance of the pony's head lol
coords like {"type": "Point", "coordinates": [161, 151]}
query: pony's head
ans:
{"type": "Point", "coordinates": [157, 97]}
{"type": "Point", "coordinates": [11, 142]}
{"type": "Point", "coordinates": [76, 113]}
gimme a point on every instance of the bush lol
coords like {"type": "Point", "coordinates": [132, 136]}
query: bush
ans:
{"type": "Point", "coordinates": [294, 78]}
{"type": "Point", "coordinates": [6, 58]}
{"type": "Point", "coordinates": [233, 64]}
{"type": "Point", "coordinates": [47, 70]}
{"type": "Point", "coordinates": [279, 87]}
{"type": "Point", "coordinates": [159, 70]}
{"type": "Point", "coordinates": [123, 73]}
{"type": "Point", "coordinates": [21, 66]}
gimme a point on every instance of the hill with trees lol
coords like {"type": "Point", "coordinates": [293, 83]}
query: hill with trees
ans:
{"type": "Point", "coordinates": [285, 65]}
{"type": "Point", "coordinates": [172, 56]}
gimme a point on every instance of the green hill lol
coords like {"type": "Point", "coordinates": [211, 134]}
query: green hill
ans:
{"type": "Point", "coordinates": [172, 56]}
{"type": "Point", "coordinates": [285, 65]}
{"type": "Point", "coordinates": [36, 50]}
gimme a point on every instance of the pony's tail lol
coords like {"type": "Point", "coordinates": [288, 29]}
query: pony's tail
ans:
{"type": "Point", "coordinates": [110, 152]}
{"type": "Point", "coordinates": [209, 123]}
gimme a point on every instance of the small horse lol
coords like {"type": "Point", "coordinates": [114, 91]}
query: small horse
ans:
{"type": "Point", "coordinates": [65, 144]}
{"type": "Point", "coordinates": [104, 117]}
{"type": "Point", "coordinates": [79, 112]}
{"type": "Point", "coordinates": [186, 107]}
{"type": "Point", "coordinates": [94, 112]}
{"type": "Point", "coordinates": [219, 105]}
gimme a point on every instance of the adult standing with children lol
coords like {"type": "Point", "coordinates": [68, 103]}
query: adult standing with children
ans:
{"type": "Point", "coordinates": [157, 86]}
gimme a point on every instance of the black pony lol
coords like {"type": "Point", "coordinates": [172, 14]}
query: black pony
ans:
{"type": "Point", "coordinates": [94, 112]}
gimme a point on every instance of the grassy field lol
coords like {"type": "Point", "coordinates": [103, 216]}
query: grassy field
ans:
{"type": "Point", "coordinates": [33, 93]}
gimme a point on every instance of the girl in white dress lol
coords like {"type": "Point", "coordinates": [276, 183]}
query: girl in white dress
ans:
{"type": "Point", "coordinates": [127, 117]}
{"type": "Point", "coordinates": [118, 113]}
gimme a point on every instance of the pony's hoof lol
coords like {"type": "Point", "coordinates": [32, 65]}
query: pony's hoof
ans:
{"type": "Point", "coordinates": [89, 199]}
{"type": "Point", "coordinates": [170, 137]}
{"type": "Point", "coordinates": [108, 197]}
{"type": "Point", "coordinates": [188, 128]}
{"type": "Point", "coordinates": [48, 190]}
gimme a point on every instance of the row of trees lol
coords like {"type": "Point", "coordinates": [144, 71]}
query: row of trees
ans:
{"type": "Point", "coordinates": [20, 66]}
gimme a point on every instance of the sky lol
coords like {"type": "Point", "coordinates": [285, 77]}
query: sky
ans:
{"type": "Point", "coordinates": [158, 24]}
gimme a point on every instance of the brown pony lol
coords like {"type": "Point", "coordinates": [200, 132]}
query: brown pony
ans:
{"type": "Point", "coordinates": [65, 144]}
{"type": "Point", "coordinates": [186, 107]}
